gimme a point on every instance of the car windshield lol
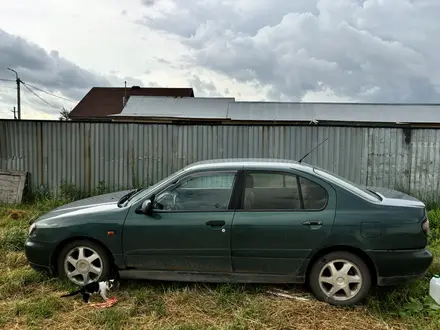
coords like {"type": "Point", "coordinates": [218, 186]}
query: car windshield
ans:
{"type": "Point", "coordinates": [347, 184]}
{"type": "Point", "coordinates": [160, 183]}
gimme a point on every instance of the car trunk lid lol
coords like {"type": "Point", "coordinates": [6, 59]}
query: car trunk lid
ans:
{"type": "Point", "coordinates": [396, 198]}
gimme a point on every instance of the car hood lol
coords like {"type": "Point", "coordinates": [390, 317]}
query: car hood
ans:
{"type": "Point", "coordinates": [93, 204]}
{"type": "Point", "coordinates": [396, 198]}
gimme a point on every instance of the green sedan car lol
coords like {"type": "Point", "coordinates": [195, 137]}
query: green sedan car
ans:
{"type": "Point", "coordinates": [242, 221]}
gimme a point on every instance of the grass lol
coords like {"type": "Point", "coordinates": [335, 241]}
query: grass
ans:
{"type": "Point", "coordinates": [30, 300]}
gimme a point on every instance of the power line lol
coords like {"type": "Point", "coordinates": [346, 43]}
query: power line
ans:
{"type": "Point", "coordinates": [30, 90]}
{"type": "Point", "coordinates": [2, 79]}
{"type": "Point", "coordinates": [42, 90]}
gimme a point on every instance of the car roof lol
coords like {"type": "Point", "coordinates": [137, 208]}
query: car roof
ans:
{"type": "Point", "coordinates": [270, 163]}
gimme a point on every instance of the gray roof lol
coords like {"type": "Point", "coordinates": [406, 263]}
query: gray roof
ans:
{"type": "Point", "coordinates": [228, 109]}
{"type": "Point", "coordinates": [249, 162]}
{"type": "Point", "coordinates": [176, 107]}
{"type": "Point", "coordinates": [343, 112]}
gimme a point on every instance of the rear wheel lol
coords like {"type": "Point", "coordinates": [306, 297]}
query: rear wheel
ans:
{"type": "Point", "coordinates": [83, 261]}
{"type": "Point", "coordinates": [340, 278]}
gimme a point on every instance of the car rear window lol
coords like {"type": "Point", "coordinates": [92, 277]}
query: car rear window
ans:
{"type": "Point", "coordinates": [347, 184]}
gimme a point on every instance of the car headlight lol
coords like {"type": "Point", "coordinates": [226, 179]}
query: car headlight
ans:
{"type": "Point", "coordinates": [32, 228]}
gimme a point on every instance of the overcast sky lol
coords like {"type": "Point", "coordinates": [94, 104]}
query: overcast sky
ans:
{"type": "Point", "coordinates": [298, 50]}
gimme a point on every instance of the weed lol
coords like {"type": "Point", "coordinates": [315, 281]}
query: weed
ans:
{"type": "Point", "coordinates": [147, 301]}
{"type": "Point", "coordinates": [18, 282]}
{"type": "Point", "coordinates": [12, 239]}
{"type": "Point", "coordinates": [12, 259]}
{"type": "Point", "coordinates": [37, 309]}
{"type": "Point", "coordinates": [434, 218]}
{"type": "Point", "coordinates": [188, 327]}
{"type": "Point", "coordinates": [252, 311]}
{"type": "Point", "coordinates": [229, 296]}
{"type": "Point", "coordinates": [70, 192]}
{"type": "Point", "coordinates": [101, 188]}
{"type": "Point", "coordinates": [4, 319]}
{"type": "Point", "coordinates": [41, 206]}
{"type": "Point", "coordinates": [16, 214]}
{"type": "Point", "coordinates": [109, 318]}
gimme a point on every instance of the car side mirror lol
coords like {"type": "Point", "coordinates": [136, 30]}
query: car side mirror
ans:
{"type": "Point", "coordinates": [146, 207]}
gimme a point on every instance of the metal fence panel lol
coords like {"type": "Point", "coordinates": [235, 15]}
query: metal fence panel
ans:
{"type": "Point", "coordinates": [125, 155]}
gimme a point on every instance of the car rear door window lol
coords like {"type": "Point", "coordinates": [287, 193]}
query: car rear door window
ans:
{"type": "Point", "coordinates": [313, 195]}
{"type": "Point", "coordinates": [271, 191]}
{"type": "Point", "coordinates": [282, 191]}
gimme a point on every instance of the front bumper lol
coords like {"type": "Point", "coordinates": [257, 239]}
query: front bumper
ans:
{"type": "Point", "coordinates": [38, 254]}
{"type": "Point", "coordinates": [400, 267]}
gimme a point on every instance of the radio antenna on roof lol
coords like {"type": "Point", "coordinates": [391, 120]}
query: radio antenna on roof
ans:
{"type": "Point", "coordinates": [311, 151]}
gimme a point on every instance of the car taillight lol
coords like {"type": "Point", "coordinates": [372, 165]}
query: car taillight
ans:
{"type": "Point", "coordinates": [425, 226]}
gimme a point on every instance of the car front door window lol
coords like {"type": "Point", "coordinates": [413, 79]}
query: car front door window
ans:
{"type": "Point", "coordinates": [201, 192]}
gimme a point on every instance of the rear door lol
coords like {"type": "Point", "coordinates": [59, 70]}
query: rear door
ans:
{"type": "Point", "coordinates": [282, 218]}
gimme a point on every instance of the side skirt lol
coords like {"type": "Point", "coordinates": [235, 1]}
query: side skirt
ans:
{"type": "Point", "coordinates": [177, 276]}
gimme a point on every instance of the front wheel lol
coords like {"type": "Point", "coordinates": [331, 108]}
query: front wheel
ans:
{"type": "Point", "coordinates": [340, 278]}
{"type": "Point", "coordinates": [82, 262]}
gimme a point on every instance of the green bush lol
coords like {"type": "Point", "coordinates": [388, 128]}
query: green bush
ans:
{"type": "Point", "coordinates": [434, 225]}
{"type": "Point", "coordinates": [434, 218]}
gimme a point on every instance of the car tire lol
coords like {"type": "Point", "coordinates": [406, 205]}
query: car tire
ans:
{"type": "Point", "coordinates": [349, 283]}
{"type": "Point", "coordinates": [93, 265]}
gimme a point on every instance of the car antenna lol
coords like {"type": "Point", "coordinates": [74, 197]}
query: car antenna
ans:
{"type": "Point", "coordinates": [311, 151]}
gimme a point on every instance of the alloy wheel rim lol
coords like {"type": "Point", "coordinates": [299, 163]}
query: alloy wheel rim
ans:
{"type": "Point", "coordinates": [83, 265]}
{"type": "Point", "coordinates": [340, 280]}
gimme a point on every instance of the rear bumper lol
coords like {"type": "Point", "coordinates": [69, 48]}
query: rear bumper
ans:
{"type": "Point", "coordinates": [400, 267]}
{"type": "Point", "coordinates": [398, 280]}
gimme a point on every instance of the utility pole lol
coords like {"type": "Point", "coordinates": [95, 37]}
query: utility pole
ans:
{"type": "Point", "coordinates": [18, 93]}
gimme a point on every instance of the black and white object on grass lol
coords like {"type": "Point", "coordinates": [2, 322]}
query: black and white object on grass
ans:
{"type": "Point", "coordinates": [93, 288]}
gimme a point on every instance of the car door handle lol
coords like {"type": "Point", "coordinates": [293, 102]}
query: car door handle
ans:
{"type": "Point", "coordinates": [312, 223]}
{"type": "Point", "coordinates": [214, 223]}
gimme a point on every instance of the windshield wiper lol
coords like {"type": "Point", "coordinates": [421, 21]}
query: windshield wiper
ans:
{"type": "Point", "coordinates": [374, 193]}
{"type": "Point", "coordinates": [124, 198]}
{"type": "Point", "coordinates": [135, 193]}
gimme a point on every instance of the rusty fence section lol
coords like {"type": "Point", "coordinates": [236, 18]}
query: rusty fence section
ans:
{"type": "Point", "coordinates": [126, 155]}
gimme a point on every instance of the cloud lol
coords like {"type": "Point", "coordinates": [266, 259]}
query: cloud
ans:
{"type": "Point", "coordinates": [366, 50]}
{"type": "Point", "coordinates": [203, 88]}
{"type": "Point", "coordinates": [148, 3]}
{"type": "Point", "coordinates": [37, 66]}
{"type": "Point", "coordinates": [48, 71]}
{"type": "Point", "coordinates": [162, 60]}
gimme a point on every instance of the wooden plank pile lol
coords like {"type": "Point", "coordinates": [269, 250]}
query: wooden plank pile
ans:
{"type": "Point", "coordinates": [12, 184]}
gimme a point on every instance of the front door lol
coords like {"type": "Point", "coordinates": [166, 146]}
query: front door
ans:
{"type": "Point", "coordinates": [282, 219]}
{"type": "Point", "coordinates": [189, 230]}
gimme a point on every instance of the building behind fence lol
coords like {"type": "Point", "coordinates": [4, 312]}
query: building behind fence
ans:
{"type": "Point", "coordinates": [126, 155]}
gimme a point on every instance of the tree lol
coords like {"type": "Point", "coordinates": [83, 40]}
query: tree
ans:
{"type": "Point", "coordinates": [64, 114]}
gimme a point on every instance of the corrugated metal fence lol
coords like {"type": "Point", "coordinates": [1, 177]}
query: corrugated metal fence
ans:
{"type": "Point", "coordinates": [127, 155]}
